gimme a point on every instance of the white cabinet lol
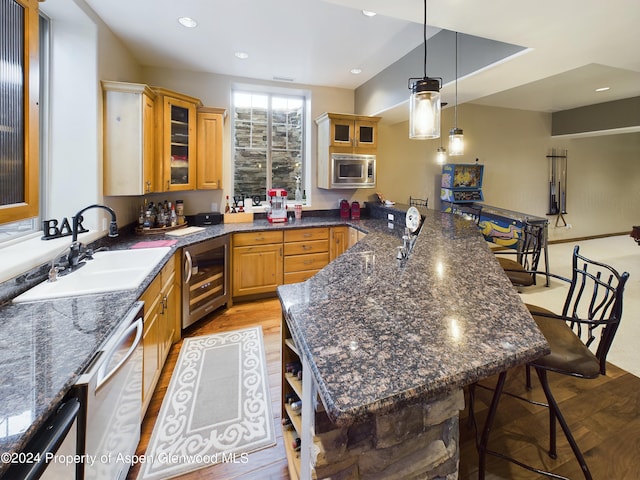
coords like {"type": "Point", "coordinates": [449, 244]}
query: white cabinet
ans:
{"type": "Point", "coordinates": [129, 163]}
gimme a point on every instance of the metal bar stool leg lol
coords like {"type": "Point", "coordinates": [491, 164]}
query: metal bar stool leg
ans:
{"type": "Point", "coordinates": [471, 419]}
{"type": "Point", "coordinates": [555, 411]}
{"type": "Point", "coordinates": [482, 446]}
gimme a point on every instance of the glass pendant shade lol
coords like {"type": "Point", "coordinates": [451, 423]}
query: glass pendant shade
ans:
{"type": "Point", "coordinates": [424, 109]}
{"type": "Point", "coordinates": [441, 156]}
{"type": "Point", "coordinates": [456, 142]}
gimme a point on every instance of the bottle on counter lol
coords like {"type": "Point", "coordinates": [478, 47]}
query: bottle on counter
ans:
{"type": "Point", "coordinates": [227, 208]}
{"type": "Point", "coordinates": [180, 211]}
{"type": "Point", "coordinates": [173, 217]}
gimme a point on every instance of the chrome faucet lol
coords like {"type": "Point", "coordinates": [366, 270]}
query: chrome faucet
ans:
{"type": "Point", "coordinates": [75, 249]}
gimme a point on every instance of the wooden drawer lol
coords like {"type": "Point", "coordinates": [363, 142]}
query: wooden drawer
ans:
{"type": "Point", "coordinates": [305, 234]}
{"type": "Point", "coordinates": [297, 277]}
{"type": "Point", "coordinates": [256, 238]}
{"type": "Point", "coordinates": [312, 246]}
{"type": "Point", "coordinates": [313, 261]}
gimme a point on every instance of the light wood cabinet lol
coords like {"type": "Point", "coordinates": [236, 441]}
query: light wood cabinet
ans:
{"type": "Point", "coordinates": [128, 138]}
{"type": "Point", "coordinates": [344, 133]}
{"type": "Point", "coordinates": [210, 130]}
{"type": "Point", "coordinates": [175, 140]}
{"type": "Point", "coordinates": [306, 251]}
{"type": "Point", "coordinates": [161, 325]}
{"type": "Point", "coordinates": [257, 262]}
{"type": "Point", "coordinates": [338, 241]}
{"type": "Point", "coordinates": [151, 366]}
{"type": "Point", "coordinates": [355, 236]}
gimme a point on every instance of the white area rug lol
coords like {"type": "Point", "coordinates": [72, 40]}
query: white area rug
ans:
{"type": "Point", "coordinates": [217, 407]}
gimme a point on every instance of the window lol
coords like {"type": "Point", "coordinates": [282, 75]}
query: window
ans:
{"type": "Point", "coordinates": [268, 132]}
{"type": "Point", "coordinates": [19, 177]}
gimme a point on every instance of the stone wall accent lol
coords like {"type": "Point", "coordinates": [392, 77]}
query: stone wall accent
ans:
{"type": "Point", "coordinates": [417, 441]}
{"type": "Point", "coordinates": [251, 141]}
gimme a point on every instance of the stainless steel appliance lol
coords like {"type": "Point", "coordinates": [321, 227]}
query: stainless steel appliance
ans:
{"type": "Point", "coordinates": [110, 390]}
{"type": "Point", "coordinates": [56, 439]}
{"type": "Point", "coordinates": [206, 278]}
{"type": "Point", "coordinates": [353, 170]}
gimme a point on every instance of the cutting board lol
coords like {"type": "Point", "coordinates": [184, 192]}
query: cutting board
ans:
{"type": "Point", "coordinates": [185, 231]}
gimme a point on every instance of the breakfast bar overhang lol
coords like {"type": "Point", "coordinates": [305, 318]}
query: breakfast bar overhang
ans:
{"type": "Point", "coordinates": [387, 341]}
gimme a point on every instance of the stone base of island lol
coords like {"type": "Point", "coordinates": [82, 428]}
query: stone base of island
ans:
{"type": "Point", "coordinates": [419, 441]}
{"type": "Point", "coordinates": [376, 351]}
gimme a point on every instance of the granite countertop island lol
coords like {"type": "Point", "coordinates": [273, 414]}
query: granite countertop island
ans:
{"type": "Point", "coordinates": [375, 332]}
{"type": "Point", "coordinates": [379, 333]}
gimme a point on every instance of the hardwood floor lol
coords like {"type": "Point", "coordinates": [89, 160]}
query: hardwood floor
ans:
{"type": "Point", "coordinates": [604, 415]}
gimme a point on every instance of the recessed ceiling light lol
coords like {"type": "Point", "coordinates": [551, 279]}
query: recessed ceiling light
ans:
{"type": "Point", "coordinates": [188, 22]}
{"type": "Point", "coordinates": [241, 55]}
{"type": "Point", "coordinates": [369, 13]}
{"type": "Point", "coordinates": [356, 71]}
{"type": "Point", "coordinates": [602, 89]}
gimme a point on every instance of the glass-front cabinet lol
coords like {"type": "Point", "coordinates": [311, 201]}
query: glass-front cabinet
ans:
{"type": "Point", "coordinates": [351, 132]}
{"type": "Point", "coordinates": [176, 114]}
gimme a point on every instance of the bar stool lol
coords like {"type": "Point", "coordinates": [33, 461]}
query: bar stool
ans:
{"type": "Point", "coordinates": [522, 269]}
{"type": "Point", "coordinates": [593, 305]}
{"type": "Point", "coordinates": [418, 202]}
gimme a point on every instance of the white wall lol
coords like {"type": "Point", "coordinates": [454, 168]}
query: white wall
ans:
{"type": "Point", "coordinates": [83, 51]}
{"type": "Point", "coordinates": [73, 136]}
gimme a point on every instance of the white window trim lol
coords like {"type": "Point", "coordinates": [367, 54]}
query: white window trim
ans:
{"type": "Point", "coordinates": [308, 122]}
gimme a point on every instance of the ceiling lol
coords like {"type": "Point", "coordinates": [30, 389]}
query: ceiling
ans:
{"type": "Point", "coordinates": [573, 46]}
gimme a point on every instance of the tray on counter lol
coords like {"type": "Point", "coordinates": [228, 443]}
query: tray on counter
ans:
{"type": "Point", "coordinates": [158, 230]}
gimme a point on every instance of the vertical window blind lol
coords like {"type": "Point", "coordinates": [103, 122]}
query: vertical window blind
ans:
{"type": "Point", "coordinates": [12, 84]}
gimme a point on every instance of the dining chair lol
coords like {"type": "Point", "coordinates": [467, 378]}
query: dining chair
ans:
{"type": "Point", "coordinates": [579, 338]}
{"type": "Point", "coordinates": [418, 202]}
{"type": "Point", "coordinates": [522, 268]}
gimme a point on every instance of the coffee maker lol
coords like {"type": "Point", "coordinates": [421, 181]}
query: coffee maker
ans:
{"type": "Point", "coordinates": [277, 205]}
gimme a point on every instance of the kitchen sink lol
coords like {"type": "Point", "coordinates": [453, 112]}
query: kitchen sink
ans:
{"type": "Point", "coordinates": [109, 271]}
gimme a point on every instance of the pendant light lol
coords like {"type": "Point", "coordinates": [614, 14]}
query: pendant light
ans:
{"type": "Point", "coordinates": [424, 103]}
{"type": "Point", "coordinates": [456, 137]}
{"type": "Point", "coordinates": [441, 155]}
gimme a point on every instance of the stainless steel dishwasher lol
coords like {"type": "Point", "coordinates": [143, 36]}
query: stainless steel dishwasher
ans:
{"type": "Point", "coordinates": [110, 391]}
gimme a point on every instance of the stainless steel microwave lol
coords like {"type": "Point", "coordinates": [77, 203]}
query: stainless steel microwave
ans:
{"type": "Point", "coordinates": [353, 170]}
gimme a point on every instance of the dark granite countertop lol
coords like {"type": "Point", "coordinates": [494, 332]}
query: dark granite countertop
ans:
{"type": "Point", "coordinates": [372, 336]}
{"type": "Point", "coordinates": [45, 345]}
{"type": "Point", "coordinates": [378, 334]}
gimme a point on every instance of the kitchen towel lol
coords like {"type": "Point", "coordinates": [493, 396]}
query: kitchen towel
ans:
{"type": "Point", "coordinates": [155, 243]}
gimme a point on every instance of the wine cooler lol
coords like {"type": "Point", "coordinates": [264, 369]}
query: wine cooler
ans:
{"type": "Point", "coordinates": [206, 278]}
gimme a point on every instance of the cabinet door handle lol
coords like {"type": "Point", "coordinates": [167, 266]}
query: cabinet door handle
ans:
{"type": "Point", "coordinates": [307, 235]}
{"type": "Point", "coordinates": [162, 305]}
{"type": "Point", "coordinates": [307, 247]}
{"type": "Point", "coordinates": [308, 262]}
{"type": "Point", "coordinates": [188, 264]}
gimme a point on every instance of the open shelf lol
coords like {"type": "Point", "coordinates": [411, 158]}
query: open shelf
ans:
{"type": "Point", "coordinates": [293, 457]}
{"type": "Point", "coordinates": [291, 344]}
{"type": "Point", "coordinates": [295, 384]}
